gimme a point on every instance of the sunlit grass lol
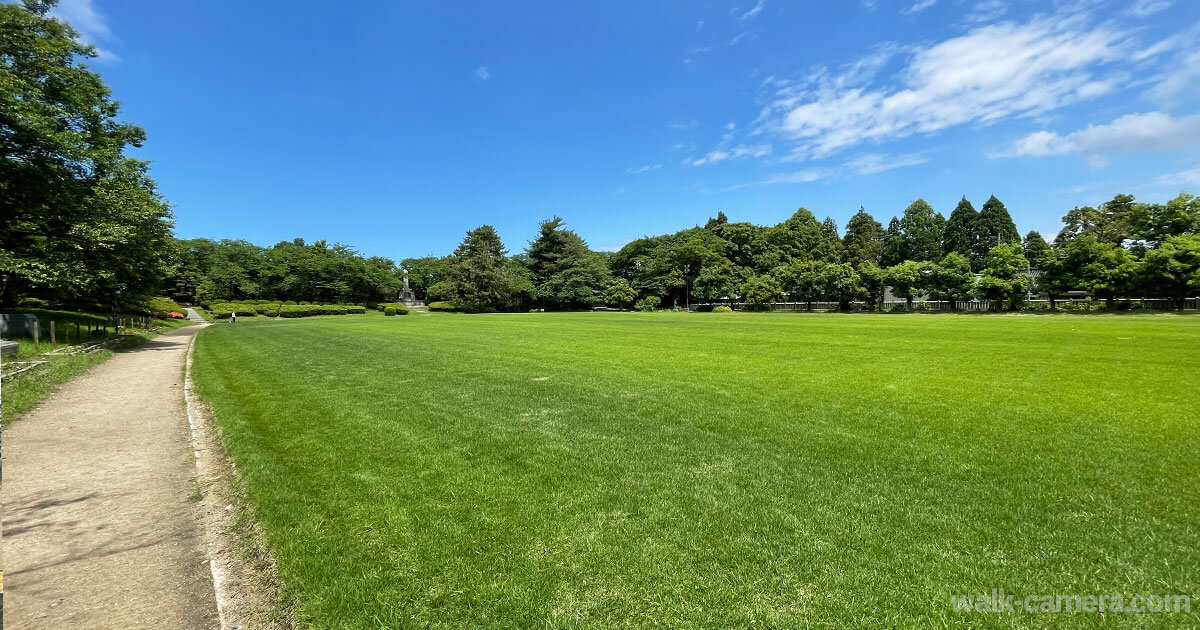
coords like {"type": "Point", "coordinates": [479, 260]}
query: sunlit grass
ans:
{"type": "Point", "coordinates": [704, 470]}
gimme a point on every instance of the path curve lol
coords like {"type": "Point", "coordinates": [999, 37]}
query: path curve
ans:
{"type": "Point", "coordinates": [99, 530]}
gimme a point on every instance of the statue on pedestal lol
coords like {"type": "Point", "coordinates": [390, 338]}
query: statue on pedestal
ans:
{"type": "Point", "coordinates": [407, 296]}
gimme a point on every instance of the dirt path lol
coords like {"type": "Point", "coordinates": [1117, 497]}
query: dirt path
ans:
{"type": "Point", "coordinates": [99, 527]}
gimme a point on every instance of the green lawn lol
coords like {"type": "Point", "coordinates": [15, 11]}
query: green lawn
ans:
{"type": "Point", "coordinates": [713, 470]}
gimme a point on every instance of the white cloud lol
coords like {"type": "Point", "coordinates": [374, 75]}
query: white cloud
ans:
{"type": "Point", "coordinates": [733, 153]}
{"type": "Point", "coordinates": [1151, 131]}
{"type": "Point", "coordinates": [919, 5]}
{"type": "Point", "coordinates": [1146, 8]}
{"type": "Point", "coordinates": [643, 169]}
{"type": "Point", "coordinates": [1181, 77]}
{"type": "Point", "coordinates": [989, 74]}
{"type": "Point", "coordinates": [986, 11]}
{"type": "Point", "coordinates": [869, 5]}
{"type": "Point", "coordinates": [797, 177]}
{"type": "Point", "coordinates": [483, 73]}
{"type": "Point", "coordinates": [875, 163]}
{"type": "Point", "coordinates": [91, 24]}
{"type": "Point", "coordinates": [1190, 177]}
{"type": "Point", "coordinates": [753, 13]}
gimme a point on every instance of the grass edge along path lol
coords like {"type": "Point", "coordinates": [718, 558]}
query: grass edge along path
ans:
{"type": "Point", "coordinates": [697, 470]}
{"type": "Point", "coordinates": [22, 393]}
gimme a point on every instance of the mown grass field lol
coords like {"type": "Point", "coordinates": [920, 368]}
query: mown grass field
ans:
{"type": "Point", "coordinates": [708, 470]}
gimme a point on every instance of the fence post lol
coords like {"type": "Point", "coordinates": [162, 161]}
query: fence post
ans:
{"type": "Point", "coordinates": [37, 337]}
{"type": "Point", "coordinates": [53, 340]}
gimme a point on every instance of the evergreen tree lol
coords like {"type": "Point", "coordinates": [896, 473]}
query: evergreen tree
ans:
{"type": "Point", "coordinates": [479, 274]}
{"type": "Point", "coordinates": [960, 229]}
{"type": "Point", "coordinates": [564, 272]}
{"type": "Point", "coordinates": [833, 243]}
{"type": "Point", "coordinates": [922, 230]}
{"type": "Point", "coordinates": [895, 250]}
{"type": "Point", "coordinates": [1036, 249]}
{"type": "Point", "coordinates": [993, 227]}
{"type": "Point", "coordinates": [864, 238]}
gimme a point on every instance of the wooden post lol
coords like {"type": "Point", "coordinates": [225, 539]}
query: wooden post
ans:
{"type": "Point", "coordinates": [37, 341]}
{"type": "Point", "coordinates": [53, 340]}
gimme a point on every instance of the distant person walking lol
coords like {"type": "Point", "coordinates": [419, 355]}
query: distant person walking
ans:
{"type": "Point", "coordinates": [233, 317]}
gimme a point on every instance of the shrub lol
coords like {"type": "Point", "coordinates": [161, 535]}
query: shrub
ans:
{"type": "Point", "coordinates": [32, 302]}
{"type": "Point", "coordinates": [289, 303]}
{"type": "Point", "coordinates": [648, 303]}
{"type": "Point", "coordinates": [921, 306]}
{"type": "Point", "coordinates": [390, 311]}
{"type": "Point", "coordinates": [442, 306]}
{"type": "Point", "coordinates": [355, 309]}
{"type": "Point", "coordinates": [722, 309]}
{"type": "Point", "coordinates": [270, 309]}
{"type": "Point", "coordinates": [400, 308]}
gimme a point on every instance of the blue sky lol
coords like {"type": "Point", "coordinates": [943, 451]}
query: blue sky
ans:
{"type": "Point", "coordinates": [395, 127]}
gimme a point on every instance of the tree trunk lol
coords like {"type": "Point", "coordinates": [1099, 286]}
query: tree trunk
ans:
{"type": "Point", "coordinates": [809, 306]}
{"type": "Point", "coordinates": [908, 302]}
{"type": "Point", "coordinates": [1108, 303]}
{"type": "Point", "coordinates": [1053, 302]}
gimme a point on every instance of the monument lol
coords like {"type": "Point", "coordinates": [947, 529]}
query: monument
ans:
{"type": "Point", "coordinates": [407, 296]}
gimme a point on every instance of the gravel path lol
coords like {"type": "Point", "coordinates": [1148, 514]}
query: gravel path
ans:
{"type": "Point", "coordinates": [99, 530]}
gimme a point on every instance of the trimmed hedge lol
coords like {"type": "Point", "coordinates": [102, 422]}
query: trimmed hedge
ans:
{"type": "Point", "coordinates": [398, 307]}
{"type": "Point", "coordinates": [309, 310]}
{"type": "Point", "coordinates": [722, 309]}
{"type": "Point", "coordinates": [445, 307]}
{"type": "Point", "coordinates": [224, 310]}
{"type": "Point", "coordinates": [389, 311]}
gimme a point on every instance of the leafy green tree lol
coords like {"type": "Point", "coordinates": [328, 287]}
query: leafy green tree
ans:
{"type": "Point", "coordinates": [803, 281]}
{"type": "Point", "coordinates": [619, 293]}
{"type": "Point", "coordinates": [993, 226]}
{"type": "Point", "coordinates": [423, 273]}
{"type": "Point", "coordinates": [922, 230]}
{"type": "Point", "coordinates": [872, 277]}
{"type": "Point", "coordinates": [951, 279]}
{"type": "Point", "coordinates": [761, 292]}
{"type": "Point", "coordinates": [1004, 280]}
{"type": "Point", "coordinates": [796, 239]}
{"type": "Point", "coordinates": [842, 284]}
{"type": "Point", "coordinates": [1173, 269]}
{"type": "Point", "coordinates": [864, 238]}
{"type": "Point", "coordinates": [1155, 223]}
{"type": "Point", "coordinates": [79, 218]}
{"type": "Point", "coordinates": [908, 279]}
{"type": "Point", "coordinates": [719, 281]}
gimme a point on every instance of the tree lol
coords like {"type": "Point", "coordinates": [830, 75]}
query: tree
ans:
{"type": "Point", "coordinates": [803, 281]}
{"type": "Point", "coordinates": [863, 241]}
{"type": "Point", "coordinates": [619, 293]}
{"type": "Point", "coordinates": [951, 279]}
{"type": "Point", "coordinates": [719, 281]}
{"type": "Point", "coordinates": [564, 272]}
{"type": "Point", "coordinates": [1173, 269]}
{"type": "Point", "coordinates": [842, 284]}
{"type": "Point", "coordinates": [993, 226]}
{"type": "Point", "coordinates": [907, 279]}
{"type": "Point", "coordinates": [873, 280]}
{"type": "Point", "coordinates": [833, 242]}
{"type": "Point", "coordinates": [797, 238]}
{"type": "Point", "coordinates": [80, 219]}
{"type": "Point", "coordinates": [960, 229]}
{"type": "Point", "coordinates": [895, 250]}
{"type": "Point", "coordinates": [922, 230]}
{"type": "Point", "coordinates": [479, 278]}
{"type": "Point", "coordinates": [1036, 249]}
{"type": "Point", "coordinates": [1155, 223]}
{"type": "Point", "coordinates": [1004, 278]}
{"type": "Point", "coordinates": [423, 273]}
{"type": "Point", "coordinates": [761, 292]}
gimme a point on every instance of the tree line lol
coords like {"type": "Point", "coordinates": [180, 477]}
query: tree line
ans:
{"type": "Point", "coordinates": [1119, 250]}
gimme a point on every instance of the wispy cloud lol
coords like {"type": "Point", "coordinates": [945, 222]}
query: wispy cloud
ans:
{"type": "Point", "coordinates": [986, 11]}
{"type": "Point", "coordinates": [752, 13]}
{"type": "Point", "coordinates": [483, 73]}
{"type": "Point", "coordinates": [1146, 8]}
{"type": "Point", "coordinates": [643, 169]}
{"type": "Point", "coordinates": [1152, 131]}
{"type": "Point", "coordinates": [875, 163]}
{"type": "Point", "coordinates": [733, 153]}
{"type": "Point", "coordinates": [92, 25]}
{"type": "Point", "coordinates": [869, 5]}
{"type": "Point", "coordinates": [1189, 177]}
{"type": "Point", "coordinates": [991, 73]}
{"type": "Point", "coordinates": [918, 6]}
